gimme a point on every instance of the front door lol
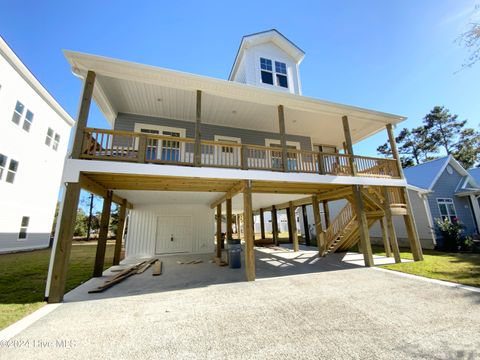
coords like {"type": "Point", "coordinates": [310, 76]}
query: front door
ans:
{"type": "Point", "coordinates": [174, 234]}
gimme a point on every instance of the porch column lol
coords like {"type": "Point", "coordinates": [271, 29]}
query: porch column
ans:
{"type": "Point", "coordinates": [318, 226]}
{"type": "Point", "coordinates": [386, 242]}
{"type": "Point", "coordinates": [219, 230]}
{"type": "Point", "coordinates": [392, 235]}
{"type": "Point", "coordinates": [248, 231]}
{"type": "Point", "coordinates": [293, 226]}
{"type": "Point", "coordinates": [409, 219]}
{"type": "Point", "coordinates": [305, 225]}
{"type": "Point", "coordinates": [326, 213]}
{"type": "Point", "coordinates": [283, 137]}
{"type": "Point", "coordinates": [102, 235]}
{"type": "Point", "coordinates": [348, 141]}
{"type": "Point", "coordinates": [229, 220]}
{"type": "Point", "coordinates": [362, 225]}
{"type": "Point", "coordinates": [198, 145]}
{"type": "Point", "coordinates": [122, 212]}
{"type": "Point", "coordinates": [289, 225]}
{"type": "Point", "coordinates": [262, 224]}
{"type": "Point", "coordinates": [274, 225]}
{"type": "Point", "coordinates": [63, 242]}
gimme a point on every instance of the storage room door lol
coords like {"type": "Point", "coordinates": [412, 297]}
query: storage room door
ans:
{"type": "Point", "coordinates": [174, 234]}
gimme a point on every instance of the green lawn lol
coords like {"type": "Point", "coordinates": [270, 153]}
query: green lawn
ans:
{"type": "Point", "coordinates": [22, 282]}
{"type": "Point", "coordinates": [462, 268]}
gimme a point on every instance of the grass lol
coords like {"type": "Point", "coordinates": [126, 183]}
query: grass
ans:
{"type": "Point", "coordinates": [22, 283]}
{"type": "Point", "coordinates": [462, 268]}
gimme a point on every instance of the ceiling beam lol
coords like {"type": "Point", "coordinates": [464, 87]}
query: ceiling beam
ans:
{"type": "Point", "coordinates": [88, 184]}
{"type": "Point", "coordinates": [237, 188]}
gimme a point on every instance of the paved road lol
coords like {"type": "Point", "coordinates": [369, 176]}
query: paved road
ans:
{"type": "Point", "coordinates": [344, 313]}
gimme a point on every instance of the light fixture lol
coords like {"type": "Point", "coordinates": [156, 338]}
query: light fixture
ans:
{"type": "Point", "coordinates": [234, 111]}
{"type": "Point", "coordinates": [159, 99]}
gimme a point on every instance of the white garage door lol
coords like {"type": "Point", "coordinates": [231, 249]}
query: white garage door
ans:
{"type": "Point", "coordinates": [174, 234]}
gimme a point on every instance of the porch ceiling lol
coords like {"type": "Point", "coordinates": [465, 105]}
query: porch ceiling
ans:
{"type": "Point", "coordinates": [146, 90]}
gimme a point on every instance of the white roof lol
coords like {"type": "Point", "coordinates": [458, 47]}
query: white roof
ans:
{"type": "Point", "coordinates": [32, 81]}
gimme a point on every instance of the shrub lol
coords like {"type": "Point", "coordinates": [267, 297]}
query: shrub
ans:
{"type": "Point", "coordinates": [451, 234]}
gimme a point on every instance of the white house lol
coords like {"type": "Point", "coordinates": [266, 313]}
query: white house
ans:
{"type": "Point", "coordinates": [34, 134]}
{"type": "Point", "coordinates": [183, 147]}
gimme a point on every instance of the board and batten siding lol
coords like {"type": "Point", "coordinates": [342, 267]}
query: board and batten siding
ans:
{"type": "Point", "coordinates": [126, 122]}
{"type": "Point", "coordinates": [142, 228]}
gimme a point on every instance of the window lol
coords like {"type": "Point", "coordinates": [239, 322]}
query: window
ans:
{"type": "Point", "coordinates": [27, 123]}
{"type": "Point", "coordinates": [18, 112]}
{"type": "Point", "coordinates": [447, 209]}
{"type": "Point", "coordinates": [3, 163]}
{"type": "Point", "coordinates": [267, 71]}
{"type": "Point", "coordinates": [12, 170]}
{"type": "Point", "coordinates": [49, 138]}
{"type": "Point", "coordinates": [23, 227]}
{"type": "Point", "coordinates": [56, 142]}
{"type": "Point", "coordinates": [325, 148]}
{"type": "Point", "coordinates": [281, 70]}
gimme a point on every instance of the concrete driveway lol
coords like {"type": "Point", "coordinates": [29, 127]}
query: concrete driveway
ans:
{"type": "Point", "coordinates": [333, 310]}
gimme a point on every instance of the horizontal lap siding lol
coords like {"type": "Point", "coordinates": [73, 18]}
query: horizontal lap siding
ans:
{"type": "Point", "coordinates": [126, 122]}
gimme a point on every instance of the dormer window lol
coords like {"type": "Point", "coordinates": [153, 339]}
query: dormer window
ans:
{"type": "Point", "coordinates": [268, 74]}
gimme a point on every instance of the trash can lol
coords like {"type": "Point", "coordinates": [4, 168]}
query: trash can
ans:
{"type": "Point", "coordinates": [234, 254]}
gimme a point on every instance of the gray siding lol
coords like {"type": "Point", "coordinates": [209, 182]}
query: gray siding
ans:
{"type": "Point", "coordinates": [445, 188]}
{"type": "Point", "coordinates": [126, 122]}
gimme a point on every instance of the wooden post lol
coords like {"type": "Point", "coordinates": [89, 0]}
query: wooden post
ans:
{"type": "Point", "coordinates": [142, 148]}
{"type": "Point", "coordinates": [321, 164]}
{"type": "Point", "coordinates": [63, 243]}
{"type": "Point", "coordinates": [326, 213]}
{"type": "Point", "coordinates": [289, 225]}
{"type": "Point", "coordinates": [305, 225]}
{"type": "Point", "coordinates": [103, 235]}
{"type": "Point", "coordinates": [283, 137]}
{"type": "Point", "coordinates": [198, 145]}
{"type": "Point", "coordinates": [262, 224]}
{"type": "Point", "coordinates": [82, 117]}
{"type": "Point", "coordinates": [348, 141]}
{"type": "Point", "coordinates": [219, 231]}
{"type": "Point", "coordinates": [244, 157]}
{"type": "Point", "coordinates": [362, 225]}
{"type": "Point", "coordinates": [229, 220]}
{"type": "Point", "coordinates": [390, 227]}
{"type": "Point", "coordinates": [318, 226]}
{"type": "Point", "coordinates": [386, 242]}
{"type": "Point", "coordinates": [237, 219]}
{"type": "Point", "coordinates": [393, 147]}
{"type": "Point", "coordinates": [293, 226]}
{"type": "Point", "coordinates": [413, 237]}
{"type": "Point", "coordinates": [248, 231]}
{"type": "Point", "coordinates": [274, 225]}
{"type": "Point", "coordinates": [122, 212]}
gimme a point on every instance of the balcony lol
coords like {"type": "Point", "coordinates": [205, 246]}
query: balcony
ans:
{"type": "Point", "coordinates": [113, 145]}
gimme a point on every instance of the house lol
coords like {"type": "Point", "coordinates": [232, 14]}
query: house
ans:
{"type": "Point", "coordinates": [34, 134]}
{"type": "Point", "coordinates": [440, 188]}
{"type": "Point", "coordinates": [184, 147]}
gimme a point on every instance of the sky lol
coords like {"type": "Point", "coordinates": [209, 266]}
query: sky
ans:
{"type": "Point", "coordinates": [396, 56]}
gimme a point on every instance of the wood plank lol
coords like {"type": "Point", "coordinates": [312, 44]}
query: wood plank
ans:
{"type": "Point", "coordinates": [349, 143]}
{"type": "Point", "coordinates": [318, 226]}
{"type": "Point", "coordinates": [146, 265]}
{"type": "Point", "coordinates": [262, 224]}
{"type": "Point", "coordinates": [411, 227]}
{"type": "Point", "coordinates": [386, 241]}
{"type": "Point", "coordinates": [274, 225]}
{"type": "Point", "coordinates": [229, 220]}
{"type": "Point", "coordinates": [157, 268]}
{"type": "Point", "coordinates": [102, 236]}
{"type": "Point", "coordinates": [305, 225]}
{"type": "Point", "coordinates": [92, 186]}
{"type": "Point", "coordinates": [326, 213]}
{"type": "Point", "coordinates": [362, 225]}
{"type": "Point", "coordinates": [234, 190]}
{"type": "Point", "coordinates": [122, 212]}
{"type": "Point", "coordinates": [390, 226]}
{"type": "Point", "coordinates": [393, 147]}
{"type": "Point", "coordinates": [248, 231]}
{"type": "Point", "coordinates": [82, 117]}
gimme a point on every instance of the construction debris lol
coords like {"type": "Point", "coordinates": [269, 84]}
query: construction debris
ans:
{"type": "Point", "coordinates": [157, 268]}
{"type": "Point", "coordinates": [189, 262]}
{"type": "Point", "coordinates": [147, 265]}
{"type": "Point", "coordinates": [219, 261]}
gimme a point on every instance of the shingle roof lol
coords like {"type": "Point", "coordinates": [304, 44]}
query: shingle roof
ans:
{"type": "Point", "coordinates": [424, 175]}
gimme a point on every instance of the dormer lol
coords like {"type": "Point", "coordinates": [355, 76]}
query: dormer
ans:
{"type": "Point", "coordinates": [268, 59]}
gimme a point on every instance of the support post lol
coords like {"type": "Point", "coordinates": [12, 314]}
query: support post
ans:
{"type": "Point", "coordinates": [305, 225]}
{"type": "Point", "coordinates": [293, 226]}
{"type": "Point", "coordinates": [393, 147]}
{"type": "Point", "coordinates": [237, 219]}
{"type": "Point", "coordinates": [82, 117]}
{"type": "Point", "coordinates": [219, 231]}
{"type": "Point", "coordinates": [390, 227]}
{"type": "Point", "coordinates": [198, 145]}
{"type": "Point", "coordinates": [318, 226]}
{"type": "Point", "coordinates": [229, 220]}
{"type": "Point", "coordinates": [386, 242]}
{"type": "Point", "coordinates": [63, 243]}
{"type": "Point", "coordinates": [362, 225]}
{"type": "Point", "coordinates": [326, 213]}
{"type": "Point", "coordinates": [348, 141]}
{"type": "Point", "coordinates": [102, 235]}
{"type": "Point", "coordinates": [274, 225]}
{"type": "Point", "coordinates": [289, 225]}
{"type": "Point", "coordinates": [248, 231]}
{"type": "Point", "coordinates": [122, 212]}
{"type": "Point", "coordinates": [283, 137]}
{"type": "Point", "coordinates": [262, 224]}
{"type": "Point", "coordinates": [142, 148]}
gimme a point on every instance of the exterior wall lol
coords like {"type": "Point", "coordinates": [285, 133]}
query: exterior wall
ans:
{"type": "Point", "coordinates": [142, 226]}
{"type": "Point", "coordinates": [35, 189]}
{"type": "Point", "coordinates": [126, 122]}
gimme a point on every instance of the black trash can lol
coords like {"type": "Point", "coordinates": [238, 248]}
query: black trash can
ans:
{"type": "Point", "coordinates": [235, 256]}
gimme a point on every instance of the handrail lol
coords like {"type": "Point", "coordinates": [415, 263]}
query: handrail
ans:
{"type": "Point", "coordinates": [339, 223]}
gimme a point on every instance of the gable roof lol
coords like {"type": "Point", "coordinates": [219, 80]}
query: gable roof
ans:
{"type": "Point", "coordinates": [475, 173]}
{"type": "Point", "coordinates": [427, 174]}
{"type": "Point", "coordinates": [272, 35]}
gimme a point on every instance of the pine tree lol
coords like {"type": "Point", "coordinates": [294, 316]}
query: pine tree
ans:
{"type": "Point", "coordinates": [443, 128]}
{"type": "Point", "coordinates": [467, 149]}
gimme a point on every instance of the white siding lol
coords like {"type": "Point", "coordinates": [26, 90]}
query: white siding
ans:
{"type": "Point", "coordinates": [141, 236]}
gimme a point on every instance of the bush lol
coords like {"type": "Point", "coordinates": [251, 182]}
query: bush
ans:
{"type": "Point", "coordinates": [451, 234]}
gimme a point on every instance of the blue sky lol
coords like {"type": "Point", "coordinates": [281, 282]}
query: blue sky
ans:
{"type": "Point", "coordinates": [397, 56]}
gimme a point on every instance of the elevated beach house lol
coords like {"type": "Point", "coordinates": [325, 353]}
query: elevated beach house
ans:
{"type": "Point", "coordinates": [183, 147]}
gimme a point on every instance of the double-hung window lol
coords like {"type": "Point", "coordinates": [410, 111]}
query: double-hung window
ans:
{"type": "Point", "coordinates": [24, 227]}
{"type": "Point", "coordinates": [18, 112]}
{"type": "Point", "coordinates": [12, 171]}
{"type": "Point", "coordinates": [3, 163]}
{"type": "Point", "coordinates": [273, 76]}
{"type": "Point", "coordinates": [447, 209]}
{"type": "Point", "coordinates": [266, 71]}
{"type": "Point", "coordinates": [281, 72]}
{"type": "Point", "coordinates": [56, 142]}
{"type": "Point", "coordinates": [49, 138]}
{"type": "Point", "coordinates": [27, 123]}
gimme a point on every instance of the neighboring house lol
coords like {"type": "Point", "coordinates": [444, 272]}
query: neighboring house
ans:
{"type": "Point", "coordinates": [182, 145]}
{"type": "Point", "coordinates": [34, 133]}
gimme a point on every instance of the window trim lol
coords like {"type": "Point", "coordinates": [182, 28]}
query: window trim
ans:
{"type": "Point", "coordinates": [10, 171]}
{"type": "Point", "coordinates": [447, 201]}
{"type": "Point", "coordinates": [274, 73]}
{"type": "Point", "coordinates": [324, 145]}
{"type": "Point", "coordinates": [16, 112]}
{"type": "Point", "coordinates": [4, 166]}
{"type": "Point", "coordinates": [24, 229]}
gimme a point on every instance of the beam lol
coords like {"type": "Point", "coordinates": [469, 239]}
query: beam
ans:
{"type": "Point", "coordinates": [274, 225]}
{"type": "Point", "coordinates": [229, 220]}
{"type": "Point", "coordinates": [95, 188]}
{"type": "Point", "coordinates": [390, 226]}
{"type": "Point", "coordinates": [82, 117]}
{"type": "Point", "coordinates": [102, 236]}
{"type": "Point", "coordinates": [198, 145]}
{"type": "Point", "coordinates": [248, 231]}
{"type": "Point", "coordinates": [386, 242]}
{"type": "Point", "coordinates": [349, 143]}
{"type": "Point", "coordinates": [289, 225]}
{"type": "Point", "coordinates": [293, 227]}
{"type": "Point", "coordinates": [362, 226]}
{"type": "Point", "coordinates": [283, 137]}
{"type": "Point", "coordinates": [122, 212]}
{"type": "Point", "coordinates": [326, 213]}
{"type": "Point", "coordinates": [318, 226]}
{"type": "Point", "coordinates": [219, 231]}
{"type": "Point", "coordinates": [305, 225]}
{"type": "Point", "coordinates": [63, 242]}
{"type": "Point", "coordinates": [262, 224]}
{"type": "Point", "coordinates": [234, 190]}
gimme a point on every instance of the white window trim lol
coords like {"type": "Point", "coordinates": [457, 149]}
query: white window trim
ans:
{"type": "Point", "coordinates": [228, 138]}
{"type": "Point", "coordinates": [332, 146]}
{"type": "Point", "coordinates": [268, 142]}
{"type": "Point", "coordinates": [160, 128]}
{"type": "Point", "coordinates": [453, 204]}
{"type": "Point", "coordinates": [26, 230]}
{"type": "Point", "coordinates": [274, 73]}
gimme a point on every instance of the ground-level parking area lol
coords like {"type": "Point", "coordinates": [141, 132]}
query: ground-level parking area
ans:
{"type": "Point", "coordinates": [299, 307]}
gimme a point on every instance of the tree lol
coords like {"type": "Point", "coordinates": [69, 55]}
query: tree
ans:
{"type": "Point", "coordinates": [467, 149]}
{"type": "Point", "coordinates": [80, 224]}
{"type": "Point", "coordinates": [114, 216]}
{"type": "Point", "coordinates": [471, 40]}
{"type": "Point", "coordinates": [443, 127]}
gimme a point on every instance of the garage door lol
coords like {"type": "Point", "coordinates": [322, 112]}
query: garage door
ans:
{"type": "Point", "coordinates": [174, 234]}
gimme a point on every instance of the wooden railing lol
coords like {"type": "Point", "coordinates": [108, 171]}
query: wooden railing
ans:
{"type": "Point", "coordinates": [150, 148]}
{"type": "Point", "coordinates": [339, 223]}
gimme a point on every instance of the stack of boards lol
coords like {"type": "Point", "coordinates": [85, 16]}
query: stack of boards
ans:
{"type": "Point", "coordinates": [129, 271]}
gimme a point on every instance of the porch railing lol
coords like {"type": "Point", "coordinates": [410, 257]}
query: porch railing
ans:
{"type": "Point", "coordinates": [116, 145]}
